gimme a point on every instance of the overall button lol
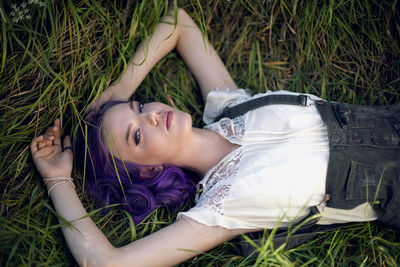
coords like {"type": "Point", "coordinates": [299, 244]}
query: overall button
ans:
{"type": "Point", "coordinates": [395, 140]}
{"type": "Point", "coordinates": [336, 138]}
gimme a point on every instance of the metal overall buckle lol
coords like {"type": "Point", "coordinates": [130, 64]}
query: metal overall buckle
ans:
{"type": "Point", "coordinates": [305, 100]}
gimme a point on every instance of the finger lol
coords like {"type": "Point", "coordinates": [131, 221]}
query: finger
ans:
{"type": "Point", "coordinates": [34, 146]}
{"type": "Point", "coordinates": [50, 130]}
{"type": "Point", "coordinates": [57, 132]}
{"type": "Point", "coordinates": [67, 142]}
{"type": "Point", "coordinates": [91, 110]}
{"type": "Point", "coordinates": [48, 137]}
{"type": "Point", "coordinates": [45, 140]}
{"type": "Point", "coordinates": [38, 138]}
{"type": "Point", "coordinates": [36, 141]}
{"type": "Point", "coordinates": [42, 144]}
{"type": "Point", "coordinates": [68, 145]}
{"type": "Point", "coordinates": [44, 152]}
{"type": "Point", "coordinates": [49, 141]}
{"type": "Point", "coordinates": [49, 134]}
{"type": "Point", "coordinates": [57, 123]}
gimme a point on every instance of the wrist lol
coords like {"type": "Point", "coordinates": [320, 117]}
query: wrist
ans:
{"type": "Point", "coordinates": [123, 90]}
{"type": "Point", "coordinates": [58, 182]}
{"type": "Point", "coordinates": [120, 90]}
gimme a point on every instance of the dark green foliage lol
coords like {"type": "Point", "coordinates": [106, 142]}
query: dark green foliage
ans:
{"type": "Point", "coordinates": [55, 62]}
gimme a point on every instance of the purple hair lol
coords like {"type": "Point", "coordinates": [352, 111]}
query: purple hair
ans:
{"type": "Point", "coordinates": [112, 181]}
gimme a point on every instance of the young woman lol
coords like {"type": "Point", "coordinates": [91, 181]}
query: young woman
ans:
{"type": "Point", "coordinates": [267, 166]}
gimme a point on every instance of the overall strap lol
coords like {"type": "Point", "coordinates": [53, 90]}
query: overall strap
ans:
{"type": "Point", "coordinates": [240, 109]}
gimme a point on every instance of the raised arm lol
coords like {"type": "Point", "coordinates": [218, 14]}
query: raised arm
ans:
{"type": "Point", "coordinates": [171, 245]}
{"type": "Point", "coordinates": [186, 37]}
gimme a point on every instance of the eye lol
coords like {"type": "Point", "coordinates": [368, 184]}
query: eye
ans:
{"type": "Point", "coordinates": [141, 105]}
{"type": "Point", "coordinates": [137, 137]}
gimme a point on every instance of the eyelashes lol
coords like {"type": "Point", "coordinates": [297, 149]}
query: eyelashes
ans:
{"type": "Point", "coordinates": [137, 137]}
{"type": "Point", "coordinates": [137, 133]}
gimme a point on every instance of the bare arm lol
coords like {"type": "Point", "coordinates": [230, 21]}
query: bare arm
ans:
{"type": "Point", "coordinates": [186, 37]}
{"type": "Point", "coordinates": [201, 57]}
{"type": "Point", "coordinates": [89, 245]}
{"type": "Point", "coordinates": [166, 247]}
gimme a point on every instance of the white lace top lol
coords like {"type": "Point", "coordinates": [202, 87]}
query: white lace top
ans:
{"type": "Point", "coordinates": [276, 174]}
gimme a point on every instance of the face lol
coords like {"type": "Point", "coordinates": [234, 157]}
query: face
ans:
{"type": "Point", "coordinates": [147, 134]}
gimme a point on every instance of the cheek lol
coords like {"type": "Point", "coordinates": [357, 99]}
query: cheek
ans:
{"type": "Point", "coordinates": [155, 145]}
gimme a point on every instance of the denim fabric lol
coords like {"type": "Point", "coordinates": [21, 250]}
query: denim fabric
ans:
{"type": "Point", "coordinates": [292, 236]}
{"type": "Point", "coordinates": [364, 158]}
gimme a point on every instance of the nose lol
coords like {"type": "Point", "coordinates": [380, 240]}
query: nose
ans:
{"type": "Point", "coordinates": [151, 117]}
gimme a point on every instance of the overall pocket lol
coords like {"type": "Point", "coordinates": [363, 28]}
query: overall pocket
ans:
{"type": "Point", "coordinates": [365, 182]}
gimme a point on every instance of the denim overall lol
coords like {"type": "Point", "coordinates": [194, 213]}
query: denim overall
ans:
{"type": "Point", "coordinates": [364, 163]}
{"type": "Point", "coordinates": [364, 158]}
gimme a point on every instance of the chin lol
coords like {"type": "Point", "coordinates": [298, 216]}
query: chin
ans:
{"type": "Point", "coordinates": [184, 124]}
{"type": "Point", "coordinates": [189, 119]}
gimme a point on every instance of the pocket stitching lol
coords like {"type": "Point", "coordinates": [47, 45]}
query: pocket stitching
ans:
{"type": "Point", "coordinates": [354, 185]}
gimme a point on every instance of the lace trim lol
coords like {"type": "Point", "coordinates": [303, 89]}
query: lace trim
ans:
{"type": "Point", "coordinates": [232, 130]}
{"type": "Point", "coordinates": [235, 101]}
{"type": "Point", "coordinates": [217, 188]}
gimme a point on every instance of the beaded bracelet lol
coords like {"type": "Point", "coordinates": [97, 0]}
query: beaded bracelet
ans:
{"type": "Point", "coordinates": [61, 179]}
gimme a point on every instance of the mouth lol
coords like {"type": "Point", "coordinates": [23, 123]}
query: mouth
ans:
{"type": "Point", "coordinates": [167, 119]}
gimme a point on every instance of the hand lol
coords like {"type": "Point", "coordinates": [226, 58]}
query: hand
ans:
{"type": "Point", "coordinates": [50, 158]}
{"type": "Point", "coordinates": [113, 92]}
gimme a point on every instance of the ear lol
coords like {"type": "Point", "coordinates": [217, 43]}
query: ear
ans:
{"type": "Point", "coordinates": [148, 172]}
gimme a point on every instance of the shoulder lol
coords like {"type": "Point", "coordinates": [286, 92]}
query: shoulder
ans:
{"type": "Point", "coordinates": [217, 100]}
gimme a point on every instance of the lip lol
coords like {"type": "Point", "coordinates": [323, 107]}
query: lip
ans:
{"type": "Point", "coordinates": [167, 119]}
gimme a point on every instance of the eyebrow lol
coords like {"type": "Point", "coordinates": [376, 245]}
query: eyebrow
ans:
{"type": "Point", "coordinates": [130, 125]}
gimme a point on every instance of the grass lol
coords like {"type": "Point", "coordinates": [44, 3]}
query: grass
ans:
{"type": "Point", "coordinates": [55, 62]}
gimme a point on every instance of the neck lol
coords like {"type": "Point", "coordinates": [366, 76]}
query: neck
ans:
{"type": "Point", "coordinates": [206, 148]}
